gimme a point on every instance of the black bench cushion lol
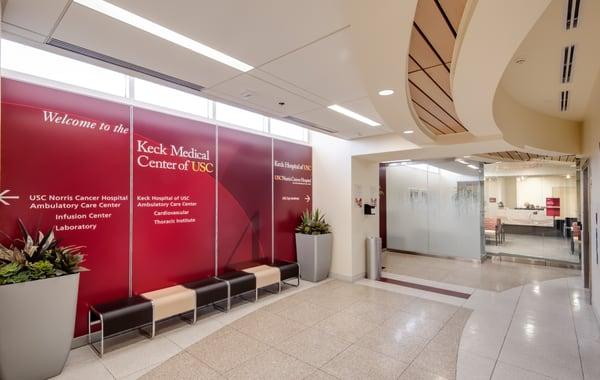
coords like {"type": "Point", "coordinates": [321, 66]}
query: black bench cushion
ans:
{"type": "Point", "coordinates": [208, 291]}
{"type": "Point", "coordinates": [287, 269]}
{"type": "Point", "coordinates": [125, 314]}
{"type": "Point", "coordinates": [239, 281]}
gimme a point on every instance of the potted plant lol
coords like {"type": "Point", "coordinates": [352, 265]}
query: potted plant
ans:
{"type": "Point", "coordinates": [313, 246]}
{"type": "Point", "coordinates": [39, 281]}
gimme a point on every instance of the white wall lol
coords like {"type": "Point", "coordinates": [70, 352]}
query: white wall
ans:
{"type": "Point", "coordinates": [335, 174]}
{"type": "Point", "coordinates": [331, 194]}
{"type": "Point", "coordinates": [365, 177]}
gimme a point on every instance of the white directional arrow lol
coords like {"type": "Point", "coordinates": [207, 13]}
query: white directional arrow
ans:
{"type": "Point", "coordinates": [4, 197]}
{"type": "Point", "coordinates": [307, 198]}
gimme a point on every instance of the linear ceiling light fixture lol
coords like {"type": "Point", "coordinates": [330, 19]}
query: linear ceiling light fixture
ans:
{"type": "Point", "coordinates": [157, 30]}
{"type": "Point", "coordinates": [353, 115]}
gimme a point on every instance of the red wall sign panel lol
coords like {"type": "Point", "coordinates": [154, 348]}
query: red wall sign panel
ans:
{"type": "Point", "coordinates": [174, 200]}
{"type": "Point", "coordinates": [66, 158]}
{"type": "Point", "coordinates": [292, 193]}
{"type": "Point", "coordinates": [552, 206]}
{"type": "Point", "coordinates": [245, 219]}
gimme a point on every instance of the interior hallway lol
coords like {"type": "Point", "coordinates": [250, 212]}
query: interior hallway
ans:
{"type": "Point", "coordinates": [372, 330]}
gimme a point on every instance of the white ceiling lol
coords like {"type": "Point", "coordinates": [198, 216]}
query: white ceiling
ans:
{"type": "Point", "coordinates": [301, 50]}
{"type": "Point", "coordinates": [536, 83]}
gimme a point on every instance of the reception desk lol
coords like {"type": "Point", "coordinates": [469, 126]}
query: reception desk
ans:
{"type": "Point", "coordinates": [525, 217]}
{"type": "Point", "coordinates": [524, 221]}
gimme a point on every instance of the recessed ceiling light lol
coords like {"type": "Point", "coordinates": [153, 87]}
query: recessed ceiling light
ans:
{"type": "Point", "coordinates": [157, 30]}
{"type": "Point", "coordinates": [386, 92]}
{"type": "Point", "coordinates": [520, 61]}
{"type": "Point", "coordinates": [568, 176]}
{"type": "Point", "coordinates": [353, 115]}
{"type": "Point", "coordinates": [408, 132]}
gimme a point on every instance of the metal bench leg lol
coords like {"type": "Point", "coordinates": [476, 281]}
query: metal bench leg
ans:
{"type": "Point", "coordinates": [100, 351]}
{"type": "Point", "coordinates": [296, 285]}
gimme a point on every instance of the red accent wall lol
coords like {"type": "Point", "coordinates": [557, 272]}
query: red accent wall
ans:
{"type": "Point", "coordinates": [292, 193]}
{"type": "Point", "coordinates": [245, 220]}
{"type": "Point", "coordinates": [174, 200]}
{"type": "Point", "coordinates": [55, 163]}
{"type": "Point", "coordinates": [50, 164]}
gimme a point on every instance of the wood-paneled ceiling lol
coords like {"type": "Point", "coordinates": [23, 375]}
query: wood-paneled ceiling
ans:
{"type": "Point", "coordinates": [430, 57]}
{"type": "Point", "coordinates": [524, 156]}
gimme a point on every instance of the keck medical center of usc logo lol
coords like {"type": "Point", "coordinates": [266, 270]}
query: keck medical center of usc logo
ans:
{"type": "Point", "coordinates": [195, 160]}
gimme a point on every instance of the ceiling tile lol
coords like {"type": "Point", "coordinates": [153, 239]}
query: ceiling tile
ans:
{"type": "Point", "coordinates": [326, 67]}
{"type": "Point", "coordinates": [346, 127]}
{"type": "Point", "coordinates": [432, 23]}
{"type": "Point", "coordinates": [252, 31]}
{"type": "Point", "coordinates": [441, 76]}
{"type": "Point", "coordinates": [263, 94]}
{"type": "Point", "coordinates": [423, 82]}
{"type": "Point", "coordinates": [364, 107]}
{"type": "Point", "coordinates": [86, 28]}
{"type": "Point", "coordinates": [454, 10]}
{"type": "Point", "coordinates": [34, 15]}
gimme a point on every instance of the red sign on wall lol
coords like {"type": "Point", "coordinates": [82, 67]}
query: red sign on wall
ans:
{"type": "Point", "coordinates": [245, 219]}
{"type": "Point", "coordinates": [174, 200]}
{"type": "Point", "coordinates": [70, 162]}
{"type": "Point", "coordinates": [292, 193]}
{"type": "Point", "coordinates": [65, 162]}
{"type": "Point", "coordinates": [552, 206]}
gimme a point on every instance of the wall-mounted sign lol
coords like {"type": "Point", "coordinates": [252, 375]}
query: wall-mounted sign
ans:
{"type": "Point", "coordinates": [552, 206]}
{"type": "Point", "coordinates": [138, 189]}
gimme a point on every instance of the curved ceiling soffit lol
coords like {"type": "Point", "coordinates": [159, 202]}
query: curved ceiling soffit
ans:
{"type": "Point", "coordinates": [481, 103]}
{"type": "Point", "coordinates": [431, 53]}
{"type": "Point", "coordinates": [381, 36]}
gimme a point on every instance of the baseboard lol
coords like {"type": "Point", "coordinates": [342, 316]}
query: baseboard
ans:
{"type": "Point", "coordinates": [346, 278]}
{"type": "Point", "coordinates": [81, 341]}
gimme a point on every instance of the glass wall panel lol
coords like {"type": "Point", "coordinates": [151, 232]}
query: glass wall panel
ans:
{"type": "Point", "coordinates": [434, 208]}
{"type": "Point", "coordinates": [167, 97]}
{"type": "Point", "coordinates": [238, 116]}
{"type": "Point", "coordinates": [533, 205]}
{"type": "Point", "coordinates": [288, 130]}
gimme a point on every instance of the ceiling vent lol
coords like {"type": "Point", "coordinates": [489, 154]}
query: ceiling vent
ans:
{"type": "Point", "coordinates": [126, 65]}
{"type": "Point", "coordinates": [564, 100]}
{"type": "Point", "coordinates": [572, 14]}
{"type": "Point", "coordinates": [304, 123]}
{"type": "Point", "coordinates": [567, 63]}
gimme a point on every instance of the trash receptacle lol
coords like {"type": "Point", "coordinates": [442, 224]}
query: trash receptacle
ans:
{"type": "Point", "coordinates": [373, 257]}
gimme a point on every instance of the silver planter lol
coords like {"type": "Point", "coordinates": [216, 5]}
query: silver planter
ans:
{"type": "Point", "coordinates": [314, 256]}
{"type": "Point", "coordinates": [37, 320]}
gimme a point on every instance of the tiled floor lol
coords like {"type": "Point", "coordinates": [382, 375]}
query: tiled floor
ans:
{"type": "Point", "coordinates": [545, 247]}
{"type": "Point", "coordinates": [369, 333]}
{"type": "Point", "coordinates": [372, 330]}
{"type": "Point", "coordinates": [489, 275]}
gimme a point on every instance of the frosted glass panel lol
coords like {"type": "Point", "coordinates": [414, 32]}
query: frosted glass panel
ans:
{"type": "Point", "coordinates": [433, 211]}
{"type": "Point", "coordinates": [407, 208]}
